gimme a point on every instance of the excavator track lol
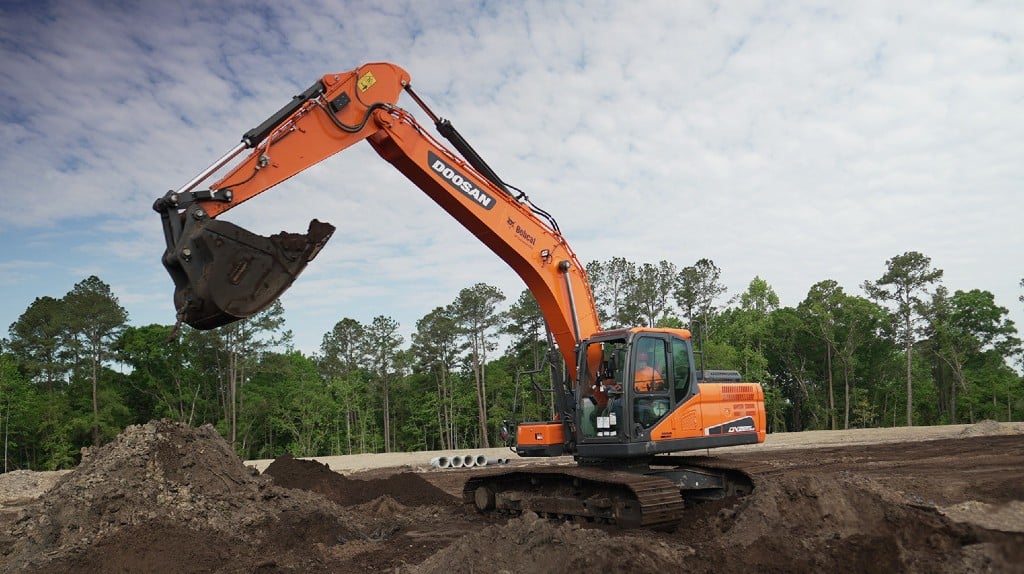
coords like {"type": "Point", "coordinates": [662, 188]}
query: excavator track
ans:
{"type": "Point", "coordinates": [620, 498]}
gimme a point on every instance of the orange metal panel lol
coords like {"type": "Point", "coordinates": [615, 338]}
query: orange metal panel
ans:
{"type": "Point", "coordinates": [540, 434]}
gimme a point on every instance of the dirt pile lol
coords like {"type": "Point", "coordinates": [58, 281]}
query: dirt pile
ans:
{"type": "Point", "coordinates": [166, 497]}
{"type": "Point", "coordinates": [405, 488]}
{"type": "Point", "coordinates": [986, 427]}
{"type": "Point", "coordinates": [790, 525]}
{"type": "Point", "coordinates": [846, 509]}
{"type": "Point", "coordinates": [22, 486]}
{"type": "Point", "coordinates": [537, 545]}
{"type": "Point", "coordinates": [836, 523]}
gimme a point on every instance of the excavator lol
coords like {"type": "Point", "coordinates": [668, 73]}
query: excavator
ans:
{"type": "Point", "coordinates": [625, 399]}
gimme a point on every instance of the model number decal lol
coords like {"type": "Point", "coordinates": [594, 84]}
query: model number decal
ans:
{"type": "Point", "coordinates": [744, 424]}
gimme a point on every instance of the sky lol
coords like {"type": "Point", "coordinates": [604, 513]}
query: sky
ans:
{"type": "Point", "coordinates": [791, 141]}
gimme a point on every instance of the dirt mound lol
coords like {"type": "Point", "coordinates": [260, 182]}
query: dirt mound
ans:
{"type": "Point", "coordinates": [532, 544]}
{"type": "Point", "coordinates": [405, 488]}
{"type": "Point", "coordinates": [790, 523]}
{"type": "Point", "coordinates": [986, 427]}
{"type": "Point", "coordinates": [19, 486]}
{"type": "Point", "coordinates": [166, 497]}
{"type": "Point", "coordinates": [808, 523]}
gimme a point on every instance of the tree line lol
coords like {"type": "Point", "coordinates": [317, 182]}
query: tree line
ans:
{"type": "Point", "coordinates": [74, 372]}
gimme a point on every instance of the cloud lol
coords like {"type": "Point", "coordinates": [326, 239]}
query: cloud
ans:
{"type": "Point", "coordinates": [794, 141]}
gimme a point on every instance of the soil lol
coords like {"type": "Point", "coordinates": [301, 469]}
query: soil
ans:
{"type": "Point", "coordinates": [164, 497]}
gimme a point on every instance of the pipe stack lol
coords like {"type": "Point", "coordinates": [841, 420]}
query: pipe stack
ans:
{"type": "Point", "coordinates": [465, 461]}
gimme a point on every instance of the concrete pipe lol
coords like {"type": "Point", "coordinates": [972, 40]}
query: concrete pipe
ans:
{"type": "Point", "coordinates": [456, 462]}
{"type": "Point", "coordinates": [468, 460]}
{"type": "Point", "coordinates": [480, 460]}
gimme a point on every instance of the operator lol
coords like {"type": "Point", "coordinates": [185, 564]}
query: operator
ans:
{"type": "Point", "coordinates": [646, 378]}
{"type": "Point", "coordinates": [604, 386]}
{"type": "Point", "coordinates": [608, 392]}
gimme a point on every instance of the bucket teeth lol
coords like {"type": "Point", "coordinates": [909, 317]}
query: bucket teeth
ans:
{"type": "Point", "coordinates": [223, 273]}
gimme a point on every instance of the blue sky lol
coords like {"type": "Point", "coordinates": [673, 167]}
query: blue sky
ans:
{"type": "Point", "coordinates": [794, 141]}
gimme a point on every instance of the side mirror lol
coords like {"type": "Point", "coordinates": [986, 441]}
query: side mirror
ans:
{"type": "Point", "coordinates": [505, 433]}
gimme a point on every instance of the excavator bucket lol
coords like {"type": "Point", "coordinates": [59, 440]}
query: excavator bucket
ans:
{"type": "Point", "coordinates": [223, 273]}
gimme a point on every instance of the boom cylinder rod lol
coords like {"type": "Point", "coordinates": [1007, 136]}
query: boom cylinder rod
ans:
{"type": "Point", "coordinates": [213, 168]}
{"type": "Point", "coordinates": [564, 268]}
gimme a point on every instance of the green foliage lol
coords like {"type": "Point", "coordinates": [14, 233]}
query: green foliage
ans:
{"type": "Point", "coordinates": [835, 359]}
{"type": "Point", "coordinates": [905, 284]}
{"type": "Point", "coordinates": [19, 412]}
{"type": "Point", "coordinates": [775, 408]}
{"type": "Point", "coordinates": [696, 291]}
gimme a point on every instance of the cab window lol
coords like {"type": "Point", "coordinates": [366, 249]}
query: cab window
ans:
{"type": "Point", "coordinates": [652, 381]}
{"type": "Point", "coordinates": [680, 368]}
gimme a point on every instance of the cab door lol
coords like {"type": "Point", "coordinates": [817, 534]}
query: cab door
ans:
{"type": "Point", "coordinates": [653, 382]}
{"type": "Point", "coordinates": [685, 419]}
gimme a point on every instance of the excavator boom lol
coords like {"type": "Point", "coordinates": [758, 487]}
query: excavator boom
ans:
{"type": "Point", "coordinates": [223, 273]}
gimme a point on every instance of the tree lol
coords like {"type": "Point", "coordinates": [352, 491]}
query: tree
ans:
{"type": "Point", "coordinates": [162, 375]}
{"type": "Point", "coordinates": [905, 283]}
{"type": "Point", "coordinates": [94, 320]}
{"type": "Point", "coordinates": [302, 412]}
{"type": "Point", "coordinates": [791, 351]}
{"type": "Point", "coordinates": [527, 326]}
{"type": "Point", "coordinates": [610, 281]}
{"type": "Point", "coordinates": [476, 315]}
{"type": "Point", "coordinates": [341, 356]}
{"type": "Point", "coordinates": [37, 341]}
{"type": "Point", "coordinates": [649, 296]}
{"type": "Point", "coordinates": [843, 323]}
{"type": "Point", "coordinates": [820, 309]}
{"type": "Point", "coordinates": [341, 350]}
{"type": "Point", "coordinates": [858, 327]}
{"type": "Point", "coordinates": [18, 411]}
{"type": "Point", "coordinates": [697, 288]}
{"type": "Point", "coordinates": [381, 346]}
{"type": "Point", "coordinates": [961, 327]}
{"type": "Point", "coordinates": [435, 348]}
{"type": "Point", "coordinates": [746, 330]}
{"type": "Point", "coordinates": [231, 352]}
{"type": "Point", "coordinates": [526, 323]}
{"type": "Point", "coordinates": [1021, 299]}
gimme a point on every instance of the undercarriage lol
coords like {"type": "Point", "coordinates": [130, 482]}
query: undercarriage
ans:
{"type": "Point", "coordinates": [648, 496]}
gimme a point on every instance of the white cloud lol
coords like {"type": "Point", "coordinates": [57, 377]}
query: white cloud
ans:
{"type": "Point", "coordinates": [792, 141]}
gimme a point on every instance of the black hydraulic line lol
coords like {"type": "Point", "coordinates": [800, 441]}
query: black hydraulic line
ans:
{"type": "Point", "coordinates": [254, 136]}
{"type": "Point", "coordinates": [446, 129]}
{"type": "Point", "coordinates": [352, 129]}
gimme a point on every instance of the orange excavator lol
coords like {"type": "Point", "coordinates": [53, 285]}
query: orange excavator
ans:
{"type": "Point", "coordinates": [625, 398]}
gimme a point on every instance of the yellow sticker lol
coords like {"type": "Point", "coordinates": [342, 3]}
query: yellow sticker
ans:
{"type": "Point", "coordinates": [366, 82]}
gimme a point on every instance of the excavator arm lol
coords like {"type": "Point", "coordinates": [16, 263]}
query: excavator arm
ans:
{"type": "Point", "coordinates": [223, 273]}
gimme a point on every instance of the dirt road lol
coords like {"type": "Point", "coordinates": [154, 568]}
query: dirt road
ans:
{"type": "Point", "coordinates": [169, 498]}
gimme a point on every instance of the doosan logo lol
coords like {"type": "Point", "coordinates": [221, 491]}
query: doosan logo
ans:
{"type": "Point", "coordinates": [459, 181]}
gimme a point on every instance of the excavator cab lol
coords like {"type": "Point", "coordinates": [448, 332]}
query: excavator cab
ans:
{"type": "Point", "coordinates": [641, 376]}
{"type": "Point", "coordinates": [222, 272]}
